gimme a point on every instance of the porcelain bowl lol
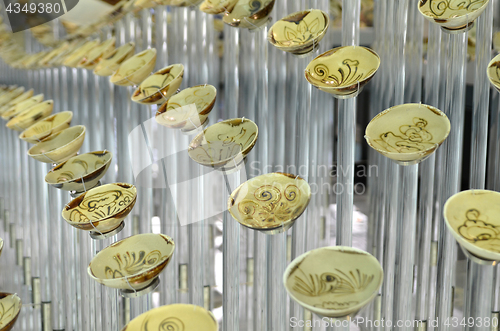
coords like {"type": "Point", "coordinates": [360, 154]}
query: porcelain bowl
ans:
{"type": "Point", "coordinates": [188, 109]}
{"type": "Point", "coordinates": [22, 106]}
{"type": "Point", "coordinates": [175, 317]}
{"type": "Point", "coordinates": [299, 33]}
{"type": "Point", "coordinates": [217, 6]}
{"type": "Point", "coordinates": [101, 209]}
{"type": "Point", "coordinates": [60, 146]}
{"type": "Point", "coordinates": [270, 203]}
{"type": "Point", "coordinates": [81, 172]}
{"type": "Point", "coordinates": [108, 65]}
{"type": "Point", "coordinates": [134, 70]}
{"type": "Point", "coordinates": [132, 263]}
{"type": "Point", "coordinates": [333, 281]}
{"type": "Point", "coordinates": [48, 126]}
{"type": "Point", "coordinates": [90, 60]}
{"type": "Point", "coordinates": [472, 217]}
{"type": "Point", "coordinates": [24, 96]}
{"type": "Point", "coordinates": [11, 95]}
{"type": "Point", "coordinates": [493, 72]}
{"type": "Point", "coordinates": [408, 133]}
{"type": "Point", "coordinates": [249, 14]}
{"type": "Point", "coordinates": [452, 14]}
{"type": "Point", "coordinates": [30, 116]}
{"type": "Point", "coordinates": [160, 86]}
{"type": "Point", "coordinates": [10, 307]}
{"type": "Point", "coordinates": [224, 144]}
{"type": "Point", "coordinates": [79, 53]}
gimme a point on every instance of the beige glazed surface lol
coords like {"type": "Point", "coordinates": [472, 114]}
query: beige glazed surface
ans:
{"type": "Point", "coordinates": [452, 14]}
{"type": "Point", "coordinates": [48, 126]}
{"type": "Point", "coordinates": [60, 146]}
{"type": "Point", "coordinates": [93, 57]}
{"type": "Point", "coordinates": [134, 70]}
{"type": "Point", "coordinates": [108, 65]}
{"type": "Point", "coordinates": [493, 72]}
{"type": "Point", "coordinates": [10, 307]}
{"type": "Point", "coordinates": [249, 14]}
{"type": "Point", "coordinates": [78, 54]}
{"type": "Point", "coordinates": [30, 116]}
{"type": "Point", "coordinates": [22, 106]}
{"type": "Point", "coordinates": [160, 86]}
{"type": "Point", "coordinates": [217, 6]}
{"type": "Point", "coordinates": [9, 96]}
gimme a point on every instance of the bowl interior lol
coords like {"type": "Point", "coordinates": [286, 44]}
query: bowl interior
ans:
{"type": "Point", "coordinates": [158, 81]}
{"type": "Point", "coordinates": [11, 306]}
{"type": "Point", "coordinates": [333, 280]}
{"type": "Point", "coordinates": [136, 62]}
{"type": "Point", "coordinates": [132, 256]}
{"type": "Point", "coordinates": [408, 129]}
{"type": "Point", "coordinates": [342, 67]}
{"type": "Point", "coordinates": [48, 124]}
{"type": "Point", "coordinates": [269, 201]}
{"type": "Point", "coordinates": [451, 9]}
{"type": "Point", "coordinates": [58, 140]}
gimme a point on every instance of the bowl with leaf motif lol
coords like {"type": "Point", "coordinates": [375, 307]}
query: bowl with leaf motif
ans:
{"type": "Point", "coordinates": [225, 144]}
{"type": "Point", "coordinates": [134, 70]}
{"type": "Point", "coordinates": [175, 317]}
{"type": "Point", "coordinates": [270, 203]}
{"type": "Point", "coordinates": [472, 217]}
{"type": "Point", "coordinates": [188, 109]}
{"type": "Point", "coordinates": [48, 126]}
{"type": "Point", "coordinates": [30, 116]}
{"type": "Point", "coordinates": [343, 71]}
{"type": "Point", "coordinates": [334, 281]}
{"type": "Point", "coordinates": [78, 54]}
{"type": "Point", "coordinates": [60, 146]}
{"type": "Point", "coordinates": [22, 106]}
{"type": "Point", "coordinates": [11, 95]}
{"type": "Point", "coordinates": [108, 65]}
{"type": "Point", "coordinates": [92, 58]}
{"type": "Point", "coordinates": [132, 263]}
{"type": "Point", "coordinates": [249, 14]}
{"type": "Point", "coordinates": [452, 14]}
{"type": "Point", "coordinates": [101, 209]}
{"type": "Point", "coordinates": [408, 133]}
{"type": "Point", "coordinates": [299, 33]}
{"type": "Point", "coordinates": [80, 173]}
{"type": "Point", "coordinates": [10, 307]}
{"type": "Point", "coordinates": [217, 6]}
{"type": "Point", "coordinates": [493, 72]}
{"type": "Point", "coordinates": [160, 86]}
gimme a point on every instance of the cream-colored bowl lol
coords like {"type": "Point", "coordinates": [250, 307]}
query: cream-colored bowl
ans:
{"type": "Point", "coordinates": [249, 14]}
{"type": "Point", "coordinates": [22, 106]}
{"type": "Point", "coordinates": [136, 69]}
{"type": "Point", "coordinates": [333, 281]}
{"type": "Point", "coordinates": [217, 6]}
{"type": "Point", "coordinates": [31, 115]}
{"type": "Point", "coordinates": [493, 72]}
{"type": "Point", "coordinates": [188, 109]}
{"type": "Point", "coordinates": [452, 14]}
{"type": "Point", "coordinates": [408, 133]}
{"type": "Point", "coordinates": [92, 58]}
{"type": "Point", "coordinates": [11, 95]}
{"type": "Point", "coordinates": [24, 96]}
{"type": "Point", "coordinates": [108, 65]}
{"type": "Point", "coordinates": [175, 317]}
{"type": "Point", "coordinates": [473, 217]}
{"type": "Point", "coordinates": [270, 203]}
{"type": "Point", "coordinates": [10, 307]}
{"type": "Point", "coordinates": [343, 71]}
{"type": "Point", "coordinates": [60, 146]}
{"type": "Point", "coordinates": [48, 126]}
{"type": "Point", "coordinates": [81, 172]}
{"type": "Point", "coordinates": [132, 263]}
{"type": "Point", "coordinates": [78, 54]}
{"type": "Point", "coordinates": [160, 86]}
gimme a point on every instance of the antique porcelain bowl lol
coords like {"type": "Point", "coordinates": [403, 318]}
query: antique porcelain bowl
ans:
{"type": "Point", "coordinates": [47, 127]}
{"type": "Point", "coordinates": [135, 69]}
{"type": "Point", "coordinates": [60, 146]}
{"type": "Point", "coordinates": [11, 95]}
{"type": "Point", "coordinates": [22, 106]}
{"type": "Point", "coordinates": [493, 72]}
{"type": "Point", "coordinates": [472, 217]}
{"type": "Point", "coordinates": [299, 33]}
{"type": "Point", "coordinates": [175, 317]}
{"type": "Point", "coordinates": [101, 209]}
{"type": "Point", "coordinates": [132, 263]}
{"type": "Point", "coordinates": [95, 55]}
{"type": "Point", "coordinates": [10, 307]}
{"type": "Point", "coordinates": [249, 14]}
{"type": "Point", "coordinates": [188, 109]}
{"type": "Point", "coordinates": [80, 173]}
{"type": "Point", "coordinates": [408, 133]}
{"type": "Point", "coordinates": [217, 6]}
{"type": "Point", "coordinates": [452, 14]}
{"type": "Point", "coordinates": [333, 281]}
{"type": "Point", "coordinates": [160, 86]}
{"type": "Point", "coordinates": [108, 65]}
{"type": "Point", "coordinates": [24, 96]}
{"type": "Point", "coordinates": [225, 144]}
{"type": "Point", "coordinates": [31, 115]}
{"type": "Point", "coordinates": [343, 71]}
{"type": "Point", "coordinates": [270, 203]}
{"type": "Point", "coordinates": [77, 55]}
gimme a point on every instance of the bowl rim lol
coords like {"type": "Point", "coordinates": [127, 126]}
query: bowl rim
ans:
{"type": "Point", "coordinates": [82, 133]}
{"type": "Point", "coordinates": [114, 78]}
{"type": "Point", "coordinates": [66, 112]}
{"type": "Point", "coordinates": [450, 19]}
{"type": "Point", "coordinates": [326, 312]}
{"type": "Point", "coordinates": [162, 109]}
{"type": "Point", "coordinates": [158, 72]}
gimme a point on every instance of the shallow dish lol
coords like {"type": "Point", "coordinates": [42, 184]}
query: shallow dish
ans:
{"type": "Point", "coordinates": [101, 209]}
{"type": "Point", "coordinates": [77, 55]}
{"type": "Point", "coordinates": [333, 281]}
{"type": "Point", "coordinates": [408, 133]}
{"type": "Point", "coordinates": [48, 126]}
{"type": "Point", "coordinates": [132, 263]}
{"type": "Point", "coordinates": [95, 55]}
{"type": "Point", "coordinates": [81, 172]}
{"type": "Point", "coordinates": [270, 203]}
{"type": "Point", "coordinates": [60, 146]}
{"type": "Point", "coordinates": [472, 216]}
{"type": "Point", "coordinates": [493, 72]}
{"type": "Point", "coordinates": [108, 65]}
{"type": "Point", "coordinates": [22, 106]}
{"type": "Point", "coordinates": [343, 71]}
{"type": "Point", "coordinates": [188, 109]}
{"type": "Point", "coordinates": [299, 33]}
{"type": "Point", "coordinates": [10, 307]}
{"type": "Point", "coordinates": [160, 86]}
{"type": "Point", "coordinates": [217, 6]}
{"type": "Point", "coordinates": [249, 14]}
{"type": "Point", "coordinates": [30, 116]}
{"type": "Point", "coordinates": [135, 69]}
{"type": "Point", "coordinates": [225, 144]}
{"type": "Point", "coordinates": [11, 95]}
{"type": "Point", "coordinates": [175, 317]}
{"type": "Point", "coordinates": [452, 14]}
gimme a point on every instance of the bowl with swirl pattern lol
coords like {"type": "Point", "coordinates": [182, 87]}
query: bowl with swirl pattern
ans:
{"type": "Point", "coordinates": [10, 307]}
{"type": "Point", "coordinates": [132, 263]}
{"type": "Point", "coordinates": [452, 14]}
{"type": "Point", "coordinates": [343, 71]}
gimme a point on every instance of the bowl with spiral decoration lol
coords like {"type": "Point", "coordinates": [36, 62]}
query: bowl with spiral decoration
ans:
{"type": "Point", "coordinates": [452, 15]}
